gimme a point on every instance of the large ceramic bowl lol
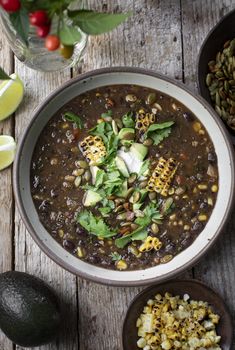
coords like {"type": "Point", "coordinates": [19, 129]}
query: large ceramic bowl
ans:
{"type": "Point", "coordinates": [110, 76]}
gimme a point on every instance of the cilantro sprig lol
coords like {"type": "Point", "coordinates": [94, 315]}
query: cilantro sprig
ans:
{"type": "Point", "coordinates": [94, 224]}
{"type": "Point", "coordinates": [72, 117]}
{"type": "Point", "coordinates": [158, 132]}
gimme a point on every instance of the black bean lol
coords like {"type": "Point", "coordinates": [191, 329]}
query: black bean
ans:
{"type": "Point", "coordinates": [68, 245]}
{"type": "Point", "coordinates": [188, 117]}
{"type": "Point", "coordinates": [211, 157]}
{"type": "Point", "coordinates": [197, 226]}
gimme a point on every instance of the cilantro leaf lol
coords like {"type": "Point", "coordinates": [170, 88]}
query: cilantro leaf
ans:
{"type": "Point", "coordinates": [115, 256]}
{"type": "Point", "coordinates": [94, 225]}
{"type": "Point", "coordinates": [138, 235]}
{"type": "Point", "coordinates": [72, 117]}
{"type": "Point", "coordinates": [160, 136]}
{"type": "Point", "coordinates": [158, 132]}
{"type": "Point", "coordinates": [100, 177]}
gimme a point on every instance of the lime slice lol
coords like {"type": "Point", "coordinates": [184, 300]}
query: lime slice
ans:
{"type": "Point", "coordinates": [7, 151]}
{"type": "Point", "coordinates": [11, 94]}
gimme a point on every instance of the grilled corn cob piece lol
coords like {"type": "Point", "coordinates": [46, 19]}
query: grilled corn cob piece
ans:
{"type": "Point", "coordinates": [93, 149]}
{"type": "Point", "coordinates": [162, 176]}
{"type": "Point", "coordinates": [143, 120]}
{"type": "Point", "coordinates": [150, 243]}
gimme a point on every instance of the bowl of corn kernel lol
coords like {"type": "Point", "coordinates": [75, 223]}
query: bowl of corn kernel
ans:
{"type": "Point", "coordinates": [178, 315]}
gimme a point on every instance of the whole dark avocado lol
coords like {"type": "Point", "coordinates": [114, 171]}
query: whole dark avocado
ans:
{"type": "Point", "coordinates": [29, 309]}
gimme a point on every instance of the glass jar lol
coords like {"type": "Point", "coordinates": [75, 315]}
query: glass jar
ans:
{"type": "Point", "coordinates": [35, 55]}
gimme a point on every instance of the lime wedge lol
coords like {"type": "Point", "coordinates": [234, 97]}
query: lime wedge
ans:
{"type": "Point", "coordinates": [7, 151]}
{"type": "Point", "coordinates": [11, 94]}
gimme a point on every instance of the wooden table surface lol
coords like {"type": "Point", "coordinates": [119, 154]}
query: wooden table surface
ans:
{"type": "Point", "coordinates": [162, 35]}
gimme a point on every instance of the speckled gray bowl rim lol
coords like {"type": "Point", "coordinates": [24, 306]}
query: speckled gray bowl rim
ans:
{"type": "Point", "coordinates": [43, 246]}
{"type": "Point", "coordinates": [195, 282]}
{"type": "Point", "coordinates": [218, 24]}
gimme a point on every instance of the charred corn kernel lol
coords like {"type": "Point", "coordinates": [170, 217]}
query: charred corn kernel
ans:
{"type": "Point", "coordinates": [121, 265]}
{"type": "Point", "coordinates": [201, 132]}
{"type": "Point", "coordinates": [141, 343]}
{"type": "Point", "coordinates": [175, 223]}
{"type": "Point", "coordinates": [93, 149]}
{"type": "Point", "coordinates": [143, 120]}
{"type": "Point", "coordinates": [80, 252]}
{"type": "Point", "coordinates": [180, 223]}
{"type": "Point", "coordinates": [202, 217]}
{"type": "Point", "coordinates": [100, 120]}
{"type": "Point", "coordinates": [197, 126]}
{"type": "Point", "coordinates": [162, 176]}
{"type": "Point", "coordinates": [150, 243]}
{"type": "Point", "coordinates": [186, 227]}
{"type": "Point", "coordinates": [214, 188]}
{"type": "Point", "coordinates": [202, 187]}
{"type": "Point", "coordinates": [174, 106]}
{"type": "Point", "coordinates": [65, 126]}
{"type": "Point", "coordinates": [166, 345]}
{"type": "Point", "coordinates": [172, 217]}
{"type": "Point", "coordinates": [195, 190]}
{"type": "Point", "coordinates": [210, 201]}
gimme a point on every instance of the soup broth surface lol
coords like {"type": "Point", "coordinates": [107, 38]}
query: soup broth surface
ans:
{"type": "Point", "coordinates": [124, 177]}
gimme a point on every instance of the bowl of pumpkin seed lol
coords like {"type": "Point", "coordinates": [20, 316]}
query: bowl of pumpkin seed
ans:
{"type": "Point", "coordinates": [216, 70]}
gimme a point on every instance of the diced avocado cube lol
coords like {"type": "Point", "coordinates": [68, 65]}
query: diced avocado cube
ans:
{"type": "Point", "coordinates": [139, 151]}
{"type": "Point", "coordinates": [91, 198]}
{"type": "Point", "coordinates": [121, 165]}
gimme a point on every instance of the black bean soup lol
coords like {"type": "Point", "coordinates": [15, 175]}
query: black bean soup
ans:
{"type": "Point", "coordinates": [124, 177]}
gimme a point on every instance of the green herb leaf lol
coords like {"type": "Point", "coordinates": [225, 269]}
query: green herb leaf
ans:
{"type": "Point", "coordinates": [158, 132]}
{"type": "Point", "coordinates": [159, 136]}
{"type": "Point", "coordinates": [20, 22]}
{"type": "Point", "coordinates": [105, 211]}
{"type": "Point", "coordinates": [94, 225]}
{"type": "Point", "coordinates": [109, 113]}
{"type": "Point", "coordinates": [72, 117]}
{"type": "Point", "coordinates": [160, 126]}
{"type": "Point", "coordinates": [69, 35]}
{"type": "Point", "coordinates": [128, 121]}
{"type": "Point", "coordinates": [94, 23]}
{"type": "Point", "coordinates": [3, 75]}
{"type": "Point", "coordinates": [100, 177]}
{"type": "Point", "coordinates": [137, 235]}
{"type": "Point", "coordinates": [115, 256]}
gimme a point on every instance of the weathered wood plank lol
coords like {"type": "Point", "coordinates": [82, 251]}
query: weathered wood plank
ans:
{"type": "Point", "coordinates": [6, 200]}
{"type": "Point", "coordinates": [151, 38]}
{"type": "Point", "coordinates": [28, 256]}
{"type": "Point", "coordinates": [217, 268]}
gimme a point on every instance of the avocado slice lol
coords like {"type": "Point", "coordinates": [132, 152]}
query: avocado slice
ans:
{"type": "Point", "coordinates": [29, 310]}
{"type": "Point", "coordinates": [91, 198]}
{"type": "Point", "coordinates": [139, 151]}
{"type": "Point", "coordinates": [127, 134]}
{"type": "Point", "coordinates": [121, 165]}
{"type": "Point", "coordinates": [93, 169]}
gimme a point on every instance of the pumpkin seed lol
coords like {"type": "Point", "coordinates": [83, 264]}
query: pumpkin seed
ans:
{"type": "Point", "coordinates": [80, 172]}
{"type": "Point", "coordinates": [81, 164]}
{"type": "Point", "coordinates": [132, 178]}
{"type": "Point", "coordinates": [87, 175]}
{"type": "Point", "coordinates": [217, 99]}
{"type": "Point", "coordinates": [129, 192]}
{"type": "Point", "coordinates": [143, 184]}
{"type": "Point", "coordinates": [154, 228]}
{"type": "Point", "coordinates": [157, 105]}
{"type": "Point", "coordinates": [151, 98]}
{"type": "Point", "coordinates": [131, 98]}
{"type": "Point", "coordinates": [134, 198]}
{"type": "Point", "coordinates": [118, 208]}
{"type": "Point", "coordinates": [208, 79]}
{"type": "Point", "coordinates": [148, 142]}
{"type": "Point", "coordinates": [77, 181]}
{"type": "Point", "coordinates": [121, 216]}
{"type": "Point", "coordinates": [152, 195]}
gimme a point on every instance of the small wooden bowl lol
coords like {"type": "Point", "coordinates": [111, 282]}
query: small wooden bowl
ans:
{"type": "Point", "coordinates": [213, 43]}
{"type": "Point", "coordinates": [196, 290]}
